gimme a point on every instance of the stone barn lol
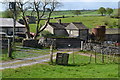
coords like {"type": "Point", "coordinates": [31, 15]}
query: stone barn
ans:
{"type": "Point", "coordinates": [58, 29]}
{"type": "Point", "coordinates": [78, 29]}
{"type": "Point", "coordinates": [113, 34]}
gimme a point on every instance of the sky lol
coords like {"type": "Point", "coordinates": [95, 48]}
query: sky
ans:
{"type": "Point", "coordinates": [79, 4]}
{"type": "Point", "coordinates": [90, 0]}
{"type": "Point", "coordinates": [87, 5]}
{"type": "Point", "coordinates": [73, 0]}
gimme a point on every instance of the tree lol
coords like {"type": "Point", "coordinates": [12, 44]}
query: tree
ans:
{"type": "Point", "coordinates": [41, 7]}
{"type": "Point", "coordinates": [38, 8]}
{"type": "Point", "coordinates": [102, 10]}
{"type": "Point", "coordinates": [77, 12]}
{"type": "Point", "coordinates": [109, 11]}
{"type": "Point", "coordinates": [23, 8]}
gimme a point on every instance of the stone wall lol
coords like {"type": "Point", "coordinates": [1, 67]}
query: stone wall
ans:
{"type": "Point", "coordinates": [31, 43]}
{"type": "Point", "coordinates": [101, 48]}
{"type": "Point", "coordinates": [61, 42]}
{"type": "Point", "coordinates": [68, 43]}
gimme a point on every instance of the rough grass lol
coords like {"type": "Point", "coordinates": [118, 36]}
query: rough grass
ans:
{"type": "Point", "coordinates": [88, 21]}
{"type": "Point", "coordinates": [81, 69]}
{"type": "Point", "coordinates": [20, 52]}
{"type": "Point", "coordinates": [25, 53]}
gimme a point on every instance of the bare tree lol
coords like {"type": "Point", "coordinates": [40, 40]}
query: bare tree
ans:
{"type": "Point", "coordinates": [23, 8]}
{"type": "Point", "coordinates": [41, 7]}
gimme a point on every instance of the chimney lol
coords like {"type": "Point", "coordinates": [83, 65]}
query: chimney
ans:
{"type": "Point", "coordinates": [59, 21]}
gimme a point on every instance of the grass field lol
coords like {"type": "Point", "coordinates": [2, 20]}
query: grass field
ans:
{"type": "Point", "coordinates": [81, 69]}
{"type": "Point", "coordinates": [88, 21]}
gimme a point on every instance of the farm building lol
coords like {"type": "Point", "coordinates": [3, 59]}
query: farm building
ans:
{"type": "Point", "coordinates": [78, 29]}
{"type": "Point", "coordinates": [6, 26]}
{"type": "Point", "coordinates": [113, 34]}
{"type": "Point", "coordinates": [74, 29]}
{"type": "Point", "coordinates": [57, 29]}
{"type": "Point", "coordinates": [31, 19]}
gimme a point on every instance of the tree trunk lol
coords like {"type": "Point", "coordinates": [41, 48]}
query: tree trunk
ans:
{"type": "Point", "coordinates": [27, 28]}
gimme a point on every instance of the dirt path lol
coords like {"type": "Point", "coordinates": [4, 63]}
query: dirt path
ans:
{"type": "Point", "coordinates": [27, 61]}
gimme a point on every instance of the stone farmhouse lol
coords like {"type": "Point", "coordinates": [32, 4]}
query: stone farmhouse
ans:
{"type": "Point", "coordinates": [6, 27]}
{"type": "Point", "coordinates": [77, 29]}
{"type": "Point", "coordinates": [57, 29]}
{"type": "Point", "coordinates": [74, 29]}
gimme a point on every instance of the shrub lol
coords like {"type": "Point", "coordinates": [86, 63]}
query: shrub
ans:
{"type": "Point", "coordinates": [102, 10]}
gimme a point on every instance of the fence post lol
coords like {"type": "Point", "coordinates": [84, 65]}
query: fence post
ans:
{"type": "Point", "coordinates": [73, 57]}
{"type": "Point", "coordinates": [90, 58]}
{"type": "Point", "coordinates": [95, 56]}
{"type": "Point", "coordinates": [9, 48]}
{"type": "Point", "coordinates": [51, 54]}
{"type": "Point", "coordinates": [102, 56]}
{"type": "Point", "coordinates": [81, 45]}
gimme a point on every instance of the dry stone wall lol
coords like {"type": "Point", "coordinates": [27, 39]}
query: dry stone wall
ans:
{"type": "Point", "coordinates": [101, 48]}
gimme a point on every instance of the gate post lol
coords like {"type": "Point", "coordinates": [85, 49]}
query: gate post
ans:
{"type": "Point", "coordinates": [81, 45]}
{"type": "Point", "coordinates": [9, 48]}
{"type": "Point", "coordinates": [51, 54]}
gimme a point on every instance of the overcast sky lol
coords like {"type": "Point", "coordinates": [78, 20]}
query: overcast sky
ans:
{"type": "Point", "coordinates": [73, 0]}
{"type": "Point", "coordinates": [90, 0]}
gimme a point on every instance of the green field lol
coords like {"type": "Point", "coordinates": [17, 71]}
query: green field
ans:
{"type": "Point", "coordinates": [88, 21]}
{"type": "Point", "coordinates": [81, 69]}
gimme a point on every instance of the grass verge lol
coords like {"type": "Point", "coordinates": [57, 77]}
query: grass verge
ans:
{"type": "Point", "coordinates": [81, 69]}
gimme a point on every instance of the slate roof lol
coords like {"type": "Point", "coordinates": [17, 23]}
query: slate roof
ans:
{"type": "Point", "coordinates": [8, 22]}
{"type": "Point", "coordinates": [77, 25]}
{"type": "Point", "coordinates": [59, 25]}
{"type": "Point", "coordinates": [113, 31]}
